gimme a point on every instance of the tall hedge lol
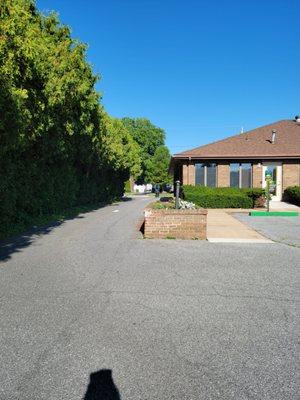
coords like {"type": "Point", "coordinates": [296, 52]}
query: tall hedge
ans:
{"type": "Point", "coordinates": [58, 148]}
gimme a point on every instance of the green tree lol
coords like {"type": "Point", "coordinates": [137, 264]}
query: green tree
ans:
{"type": "Point", "coordinates": [117, 147]}
{"type": "Point", "coordinates": [160, 166]}
{"type": "Point", "coordinates": [149, 138]}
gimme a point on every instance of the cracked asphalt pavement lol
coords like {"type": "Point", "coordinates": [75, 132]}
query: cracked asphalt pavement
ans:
{"type": "Point", "coordinates": [172, 319]}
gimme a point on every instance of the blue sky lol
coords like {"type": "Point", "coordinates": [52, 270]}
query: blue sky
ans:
{"type": "Point", "coordinates": [199, 69]}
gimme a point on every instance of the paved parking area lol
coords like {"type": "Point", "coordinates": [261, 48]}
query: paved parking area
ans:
{"type": "Point", "coordinates": [188, 320]}
{"type": "Point", "coordinates": [280, 229]}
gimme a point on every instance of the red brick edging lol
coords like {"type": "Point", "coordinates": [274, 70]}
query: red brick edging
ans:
{"type": "Point", "coordinates": [177, 224]}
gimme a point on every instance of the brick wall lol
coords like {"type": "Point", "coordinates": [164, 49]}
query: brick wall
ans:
{"type": "Point", "coordinates": [179, 224]}
{"type": "Point", "coordinates": [290, 174]}
{"type": "Point", "coordinates": [257, 175]}
{"type": "Point", "coordinates": [188, 174]}
{"type": "Point", "coordinates": [223, 177]}
{"type": "Point", "coordinates": [191, 172]}
{"type": "Point", "coordinates": [185, 178]}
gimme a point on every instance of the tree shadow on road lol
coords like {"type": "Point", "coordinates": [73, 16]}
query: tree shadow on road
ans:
{"type": "Point", "coordinates": [102, 387]}
{"type": "Point", "coordinates": [17, 243]}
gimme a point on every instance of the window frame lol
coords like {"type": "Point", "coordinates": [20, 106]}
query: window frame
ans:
{"type": "Point", "coordinates": [240, 174]}
{"type": "Point", "coordinates": [204, 174]}
{"type": "Point", "coordinates": [204, 166]}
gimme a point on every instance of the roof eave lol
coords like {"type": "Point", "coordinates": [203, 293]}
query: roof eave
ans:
{"type": "Point", "coordinates": [247, 157]}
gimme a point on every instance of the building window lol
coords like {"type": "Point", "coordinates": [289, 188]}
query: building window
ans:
{"type": "Point", "coordinates": [206, 174]}
{"type": "Point", "coordinates": [241, 175]}
{"type": "Point", "coordinates": [246, 181]}
{"type": "Point", "coordinates": [199, 174]}
{"type": "Point", "coordinates": [211, 175]}
{"type": "Point", "coordinates": [235, 175]}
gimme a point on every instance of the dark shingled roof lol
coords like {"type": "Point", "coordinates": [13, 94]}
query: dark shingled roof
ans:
{"type": "Point", "coordinates": [253, 144]}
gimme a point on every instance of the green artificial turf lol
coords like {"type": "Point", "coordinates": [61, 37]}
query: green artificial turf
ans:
{"type": "Point", "coordinates": [273, 213]}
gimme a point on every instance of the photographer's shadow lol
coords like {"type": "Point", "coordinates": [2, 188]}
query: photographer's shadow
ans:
{"type": "Point", "coordinates": [102, 387]}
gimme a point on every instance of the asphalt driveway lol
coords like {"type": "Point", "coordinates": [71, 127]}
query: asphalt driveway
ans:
{"type": "Point", "coordinates": [171, 319]}
{"type": "Point", "coordinates": [280, 229]}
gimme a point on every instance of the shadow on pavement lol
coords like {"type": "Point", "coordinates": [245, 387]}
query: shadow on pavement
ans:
{"type": "Point", "coordinates": [102, 387]}
{"type": "Point", "coordinates": [126, 198]}
{"type": "Point", "coordinates": [123, 199]}
{"type": "Point", "coordinates": [17, 243]}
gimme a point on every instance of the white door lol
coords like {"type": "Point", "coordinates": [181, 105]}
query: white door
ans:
{"type": "Point", "coordinates": [275, 170]}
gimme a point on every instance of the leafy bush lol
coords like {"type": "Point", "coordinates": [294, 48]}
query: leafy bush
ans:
{"type": "Point", "coordinates": [207, 197]}
{"type": "Point", "coordinates": [257, 195]}
{"type": "Point", "coordinates": [292, 195]}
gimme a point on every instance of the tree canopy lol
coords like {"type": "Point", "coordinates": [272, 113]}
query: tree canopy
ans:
{"type": "Point", "coordinates": [160, 165]}
{"type": "Point", "coordinates": [150, 138]}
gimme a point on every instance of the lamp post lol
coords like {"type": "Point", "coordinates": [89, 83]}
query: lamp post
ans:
{"type": "Point", "coordinates": [177, 183]}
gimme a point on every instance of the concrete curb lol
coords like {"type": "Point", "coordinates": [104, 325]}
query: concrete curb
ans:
{"type": "Point", "coordinates": [238, 240]}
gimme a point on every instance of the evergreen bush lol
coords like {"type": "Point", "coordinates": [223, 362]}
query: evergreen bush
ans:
{"type": "Point", "coordinates": [292, 195]}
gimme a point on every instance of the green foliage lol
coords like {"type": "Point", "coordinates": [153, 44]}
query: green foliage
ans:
{"type": "Point", "coordinates": [219, 197]}
{"type": "Point", "coordinates": [292, 195]}
{"type": "Point", "coordinates": [118, 147]}
{"type": "Point", "coordinates": [160, 165]}
{"type": "Point", "coordinates": [257, 195]}
{"type": "Point", "coordinates": [58, 148]}
{"type": "Point", "coordinates": [165, 205]}
{"type": "Point", "coordinates": [149, 138]}
{"type": "Point", "coordinates": [127, 186]}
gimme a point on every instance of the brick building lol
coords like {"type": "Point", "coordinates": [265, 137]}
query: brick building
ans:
{"type": "Point", "coordinates": [243, 160]}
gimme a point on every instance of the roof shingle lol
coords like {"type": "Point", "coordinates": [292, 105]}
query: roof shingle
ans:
{"type": "Point", "coordinates": [255, 143]}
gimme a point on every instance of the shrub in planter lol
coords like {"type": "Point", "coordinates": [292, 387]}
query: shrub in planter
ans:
{"type": "Point", "coordinates": [292, 195]}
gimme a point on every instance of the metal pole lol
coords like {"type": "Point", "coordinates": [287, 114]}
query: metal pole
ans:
{"type": "Point", "coordinates": [268, 195]}
{"type": "Point", "coordinates": [177, 194]}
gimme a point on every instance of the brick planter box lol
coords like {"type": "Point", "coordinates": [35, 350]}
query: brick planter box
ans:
{"type": "Point", "coordinates": [178, 224]}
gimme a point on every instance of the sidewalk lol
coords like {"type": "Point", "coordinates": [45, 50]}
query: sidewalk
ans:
{"type": "Point", "coordinates": [223, 227]}
{"type": "Point", "coordinates": [283, 206]}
